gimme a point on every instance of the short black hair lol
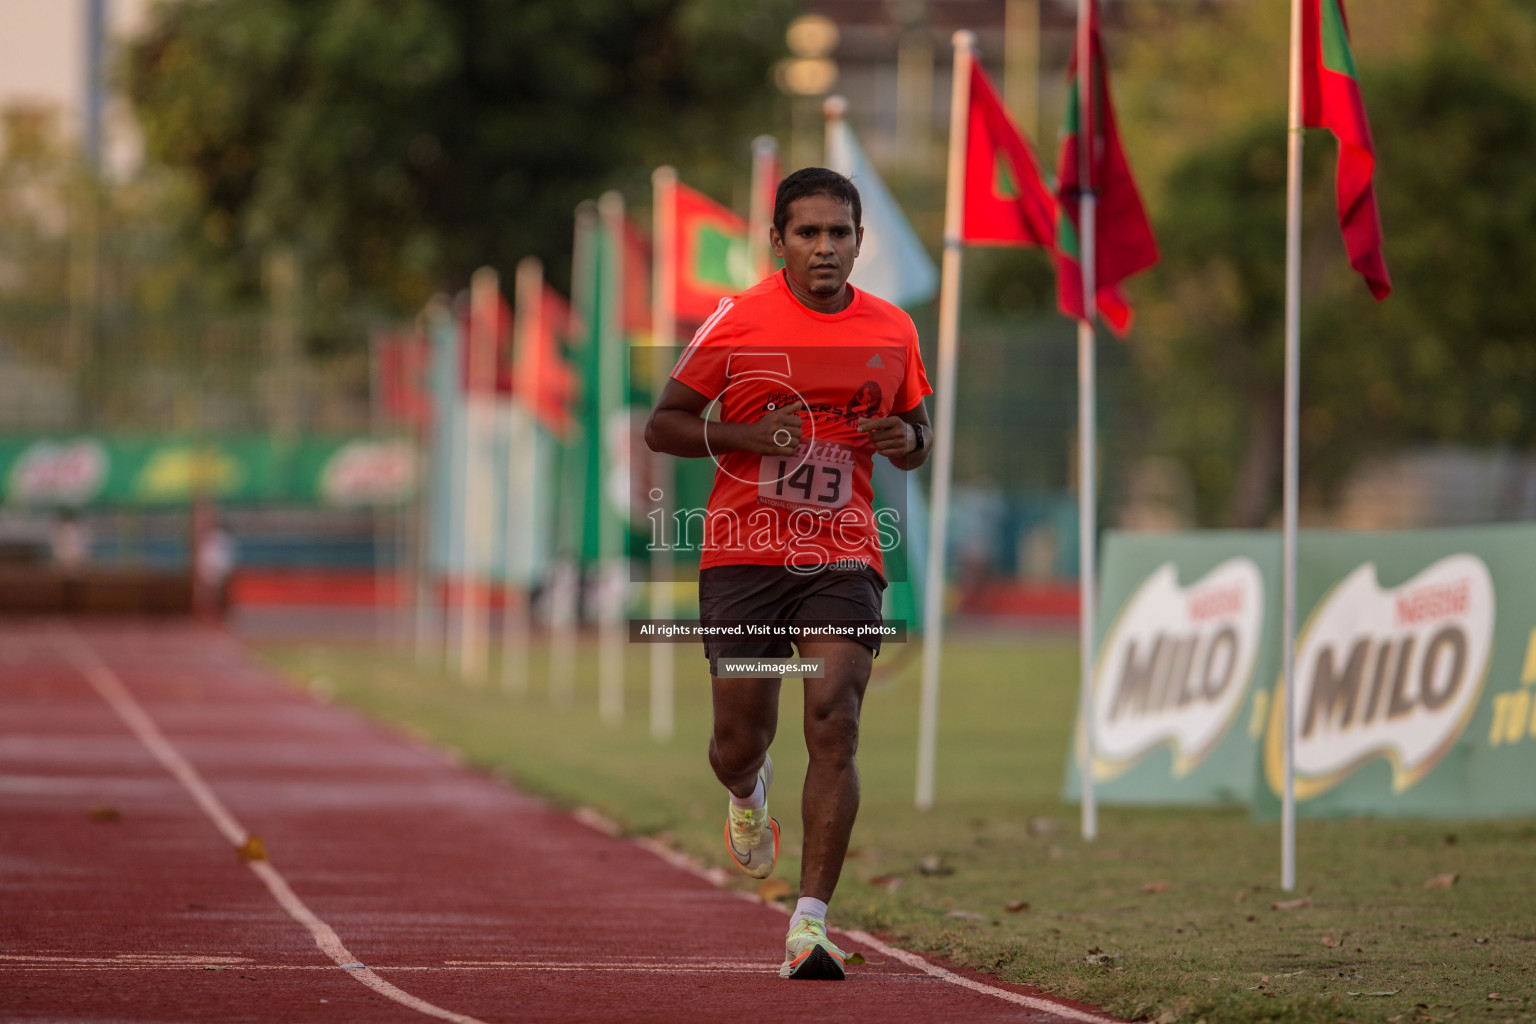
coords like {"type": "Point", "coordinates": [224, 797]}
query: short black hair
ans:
{"type": "Point", "coordinates": [814, 181]}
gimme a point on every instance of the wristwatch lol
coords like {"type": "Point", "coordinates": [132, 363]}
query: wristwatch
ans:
{"type": "Point", "coordinates": [920, 432]}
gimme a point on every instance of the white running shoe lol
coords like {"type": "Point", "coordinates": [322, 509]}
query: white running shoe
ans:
{"type": "Point", "coordinates": [809, 955]}
{"type": "Point", "coordinates": [752, 836]}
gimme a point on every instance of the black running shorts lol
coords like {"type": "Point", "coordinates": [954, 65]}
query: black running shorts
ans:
{"type": "Point", "coordinates": [730, 594]}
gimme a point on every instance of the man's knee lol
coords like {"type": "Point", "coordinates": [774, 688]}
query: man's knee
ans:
{"type": "Point", "coordinates": [832, 734]}
{"type": "Point", "coordinates": [737, 747]}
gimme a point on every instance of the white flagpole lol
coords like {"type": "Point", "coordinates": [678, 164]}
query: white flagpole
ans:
{"type": "Point", "coordinates": [516, 624]}
{"type": "Point", "coordinates": [565, 598]}
{"type": "Point", "coordinates": [484, 287]}
{"type": "Point", "coordinates": [765, 164]}
{"type": "Point", "coordinates": [664, 336]}
{"type": "Point", "coordinates": [613, 570]}
{"type": "Point", "coordinates": [944, 428]}
{"type": "Point", "coordinates": [833, 109]}
{"type": "Point", "coordinates": [1087, 474]}
{"type": "Point", "coordinates": [1292, 406]}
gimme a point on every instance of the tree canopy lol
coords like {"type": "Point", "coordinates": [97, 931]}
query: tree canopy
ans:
{"type": "Point", "coordinates": [1449, 357]}
{"type": "Point", "coordinates": [395, 145]}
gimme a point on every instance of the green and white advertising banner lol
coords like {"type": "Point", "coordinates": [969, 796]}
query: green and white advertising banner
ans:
{"type": "Point", "coordinates": [1184, 653]}
{"type": "Point", "coordinates": [80, 471]}
{"type": "Point", "coordinates": [1415, 672]}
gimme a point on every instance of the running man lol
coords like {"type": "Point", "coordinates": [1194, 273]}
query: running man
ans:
{"type": "Point", "coordinates": [768, 388]}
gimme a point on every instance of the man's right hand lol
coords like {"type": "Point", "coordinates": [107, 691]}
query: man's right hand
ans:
{"type": "Point", "coordinates": [778, 432]}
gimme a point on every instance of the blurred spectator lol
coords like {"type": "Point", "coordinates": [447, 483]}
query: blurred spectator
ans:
{"type": "Point", "coordinates": [216, 556]}
{"type": "Point", "coordinates": [71, 542]}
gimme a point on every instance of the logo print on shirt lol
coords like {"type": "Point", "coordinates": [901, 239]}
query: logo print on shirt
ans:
{"type": "Point", "coordinates": [865, 402]}
{"type": "Point", "coordinates": [874, 361]}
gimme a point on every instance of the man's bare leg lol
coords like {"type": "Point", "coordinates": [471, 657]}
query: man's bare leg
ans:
{"type": "Point", "coordinates": [746, 719]}
{"type": "Point", "coordinates": [830, 801]}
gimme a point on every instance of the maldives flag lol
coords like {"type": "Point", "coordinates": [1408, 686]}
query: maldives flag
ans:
{"type": "Point", "coordinates": [1330, 98]}
{"type": "Point", "coordinates": [714, 258]}
{"type": "Point", "coordinates": [1123, 243]}
{"type": "Point", "coordinates": [1006, 201]}
{"type": "Point", "coordinates": [541, 378]}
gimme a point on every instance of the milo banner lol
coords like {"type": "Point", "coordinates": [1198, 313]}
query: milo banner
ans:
{"type": "Point", "coordinates": [1185, 658]}
{"type": "Point", "coordinates": [1415, 672]}
{"type": "Point", "coordinates": [1415, 675]}
{"type": "Point", "coordinates": [80, 471]}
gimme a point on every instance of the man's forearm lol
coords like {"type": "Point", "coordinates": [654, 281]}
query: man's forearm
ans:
{"type": "Point", "coordinates": [675, 432]}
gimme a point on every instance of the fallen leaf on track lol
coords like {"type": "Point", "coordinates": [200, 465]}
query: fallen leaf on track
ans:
{"type": "Point", "coordinates": [252, 849]}
{"type": "Point", "coordinates": [102, 812]}
{"type": "Point", "coordinates": [1305, 901]}
{"type": "Point", "coordinates": [770, 889]}
{"type": "Point", "coordinates": [1444, 881]}
{"type": "Point", "coordinates": [855, 959]}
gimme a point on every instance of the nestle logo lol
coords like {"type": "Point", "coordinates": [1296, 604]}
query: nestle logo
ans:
{"type": "Point", "coordinates": [1215, 604]}
{"type": "Point", "coordinates": [1437, 602]}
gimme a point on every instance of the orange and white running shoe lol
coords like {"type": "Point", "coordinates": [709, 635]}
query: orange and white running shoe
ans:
{"type": "Point", "coordinates": [752, 836]}
{"type": "Point", "coordinates": [809, 955]}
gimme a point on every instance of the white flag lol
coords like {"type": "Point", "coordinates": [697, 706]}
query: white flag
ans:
{"type": "Point", "coordinates": [892, 262]}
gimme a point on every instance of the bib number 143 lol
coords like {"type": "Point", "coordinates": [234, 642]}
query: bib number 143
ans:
{"type": "Point", "coordinates": [823, 479]}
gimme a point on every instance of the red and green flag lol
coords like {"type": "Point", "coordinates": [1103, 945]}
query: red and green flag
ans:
{"type": "Point", "coordinates": [714, 257]}
{"type": "Point", "coordinates": [1330, 98]}
{"type": "Point", "coordinates": [542, 380]}
{"type": "Point", "coordinates": [1006, 199]}
{"type": "Point", "coordinates": [1124, 244]}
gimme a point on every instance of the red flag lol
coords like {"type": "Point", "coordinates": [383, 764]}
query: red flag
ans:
{"type": "Point", "coordinates": [714, 259]}
{"type": "Point", "coordinates": [1006, 201]}
{"type": "Point", "coordinates": [637, 281]}
{"type": "Point", "coordinates": [1123, 243]}
{"type": "Point", "coordinates": [1330, 98]}
{"type": "Point", "coordinates": [493, 327]}
{"type": "Point", "coordinates": [542, 380]}
{"type": "Point", "coordinates": [403, 364]}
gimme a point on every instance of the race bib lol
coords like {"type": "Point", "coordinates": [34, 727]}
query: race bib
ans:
{"type": "Point", "coordinates": [817, 476]}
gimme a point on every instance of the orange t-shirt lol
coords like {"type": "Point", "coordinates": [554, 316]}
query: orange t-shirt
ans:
{"type": "Point", "coordinates": [765, 349]}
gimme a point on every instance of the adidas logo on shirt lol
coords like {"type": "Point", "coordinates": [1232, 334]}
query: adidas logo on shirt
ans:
{"type": "Point", "coordinates": [874, 361]}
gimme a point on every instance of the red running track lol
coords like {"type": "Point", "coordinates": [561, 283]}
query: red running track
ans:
{"type": "Point", "coordinates": [399, 887]}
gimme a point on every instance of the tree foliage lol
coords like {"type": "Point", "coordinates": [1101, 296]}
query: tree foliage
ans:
{"type": "Point", "coordinates": [1450, 357]}
{"type": "Point", "coordinates": [396, 145]}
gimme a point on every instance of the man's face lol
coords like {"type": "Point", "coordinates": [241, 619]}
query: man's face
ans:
{"type": "Point", "coordinates": [819, 245]}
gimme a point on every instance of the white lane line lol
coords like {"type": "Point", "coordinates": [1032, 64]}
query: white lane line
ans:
{"type": "Point", "coordinates": [112, 690]}
{"type": "Point", "coordinates": [1018, 998]}
{"type": "Point", "coordinates": [717, 878]}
